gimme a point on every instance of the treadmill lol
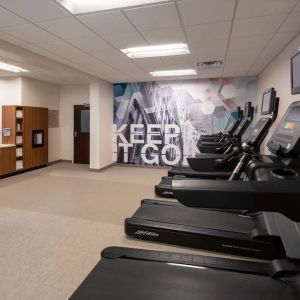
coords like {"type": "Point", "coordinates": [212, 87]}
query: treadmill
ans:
{"type": "Point", "coordinates": [249, 233]}
{"type": "Point", "coordinates": [222, 146]}
{"type": "Point", "coordinates": [221, 166]}
{"type": "Point", "coordinates": [135, 274]}
{"type": "Point", "coordinates": [219, 137]}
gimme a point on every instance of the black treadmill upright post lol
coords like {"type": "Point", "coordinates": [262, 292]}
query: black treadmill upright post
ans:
{"type": "Point", "coordinates": [236, 174]}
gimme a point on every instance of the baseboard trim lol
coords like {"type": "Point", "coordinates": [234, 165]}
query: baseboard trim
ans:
{"type": "Point", "coordinates": [59, 161]}
{"type": "Point", "coordinates": [102, 169]}
{"type": "Point", "coordinates": [22, 171]}
{"type": "Point", "coordinates": [142, 166]}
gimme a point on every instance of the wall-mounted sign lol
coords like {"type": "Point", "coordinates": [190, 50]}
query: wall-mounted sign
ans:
{"type": "Point", "coordinates": [159, 123]}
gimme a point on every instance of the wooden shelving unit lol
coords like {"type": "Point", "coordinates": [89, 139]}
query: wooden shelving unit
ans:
{"type": "Point", "coordinates": [19, 138]}
{"type": "Point", "coordinates": [19, 123]}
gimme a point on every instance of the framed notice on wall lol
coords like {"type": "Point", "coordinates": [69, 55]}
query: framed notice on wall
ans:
{"type": "Point", "coordinates": [53, 118]}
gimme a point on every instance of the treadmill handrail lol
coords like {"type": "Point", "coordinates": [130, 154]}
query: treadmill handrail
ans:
{"type": "Point", "coordinates": [281, 197]}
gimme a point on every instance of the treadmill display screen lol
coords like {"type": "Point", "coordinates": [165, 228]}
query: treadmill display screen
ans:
{"type": "Point", "coordinates": [292, 122]}
{"type": "Point", "coordinates": [247, 110]}
{"type": "Point", "coordinates": [240, 127]}
{"type": "Point", "coordinates": [266, 103]}
{"type": "Point", "coordinates": [295, 73]}
{"type": "Point", "coordinates": [257, 129]}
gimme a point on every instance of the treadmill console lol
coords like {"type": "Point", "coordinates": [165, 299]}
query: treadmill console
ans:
{"type": "Point", "coordinates": [268, 102]}
{"type": "Point", "coordinates": [258, 132]}
{"type": "Point", "coordinates": [248, 113]}
{"type": "Point", "coordinates": [234, 124]}
{"type": "Point", "coordinates": [286, 138]}
{"type": "Point", "coordinates": [248, 110]}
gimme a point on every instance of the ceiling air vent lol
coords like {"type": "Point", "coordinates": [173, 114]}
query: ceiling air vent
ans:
{"type": "Point", "coordinates": [209, 64]}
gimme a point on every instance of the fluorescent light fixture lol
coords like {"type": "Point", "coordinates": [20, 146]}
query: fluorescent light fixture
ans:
{"type": "Point", "coordinates": [86, 6]}
{"type": "Point", "coordinates": [186, 266]}
{"type": "Point", "coordinates": [11, 68]}
{"type": "Point", "coordinates": [157, 51]}
{"type": "Point", "coordinates": [187, 72]}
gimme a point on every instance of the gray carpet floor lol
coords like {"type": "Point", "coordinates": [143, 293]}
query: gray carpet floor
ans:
{"type": "Point", "coordinates": [55, 221]}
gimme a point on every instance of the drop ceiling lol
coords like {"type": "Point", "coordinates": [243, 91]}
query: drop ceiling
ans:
{"type": "Point", "coordinates": [245, 34]}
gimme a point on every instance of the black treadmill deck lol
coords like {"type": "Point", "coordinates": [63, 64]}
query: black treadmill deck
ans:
{"type": "Point", "coordinates": [164, 188]}
{"type": "Point", "coordinates": [172, 223]}
{"type": "Point", "coordinates": [152, 275]}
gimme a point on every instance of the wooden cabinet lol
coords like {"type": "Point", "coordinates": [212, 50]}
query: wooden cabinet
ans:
{"type": "Point", "coordinates": [35, 119]}
{"type": "Point", "coordinates": [7, 160]}
{"type": "Point", "coordinates": [23, 122]}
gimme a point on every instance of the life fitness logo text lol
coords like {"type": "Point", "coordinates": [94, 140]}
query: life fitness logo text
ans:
{"type": "Point", "coordinates": [150, 136]}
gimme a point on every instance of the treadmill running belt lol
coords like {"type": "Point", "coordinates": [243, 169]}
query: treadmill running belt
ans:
{"type": "Point", "coordinates": [121, 278]}
{"type": "Point", "coordinates": [187, 216]}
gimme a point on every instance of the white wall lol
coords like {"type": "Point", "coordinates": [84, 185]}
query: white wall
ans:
{"type": "Point", "coordinates": [101, 108]}
{"type": "Point", "coordinates": [10, 94]}
{"type": "Point", "coordinates": [43, 94]}
{"type": "Point", "coordinates": [277, 75]}
{"type": "Point", "coordinates": [70, 95]}
{"type": "Point", "coordinates": [31, 92]}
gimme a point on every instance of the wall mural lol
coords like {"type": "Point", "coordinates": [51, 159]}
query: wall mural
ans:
{"type": "Point", "coordinates": [159, 123]}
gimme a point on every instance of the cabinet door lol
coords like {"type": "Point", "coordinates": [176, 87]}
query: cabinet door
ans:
{"type": "Point", "coordinates": [35, 119]}
{"type": "Point", "coordinates": [7, 160]}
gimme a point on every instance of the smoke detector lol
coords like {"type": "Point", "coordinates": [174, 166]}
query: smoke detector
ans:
{"type": "Point", "coordinates": [209, 64]}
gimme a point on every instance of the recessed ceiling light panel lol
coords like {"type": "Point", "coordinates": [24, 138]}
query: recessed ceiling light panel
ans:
{"type": "Point", "coordinates": [187, 72]}
{"type": "Point", "coordinates": [157, 51]}
{"type": "Point", "coordinates": [86, 6]}
{"type": "Point", "coordinates": [11, 68]}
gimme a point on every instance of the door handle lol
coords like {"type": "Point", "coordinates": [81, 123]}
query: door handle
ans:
{"type": "Point", "coordinates": [75, 133]}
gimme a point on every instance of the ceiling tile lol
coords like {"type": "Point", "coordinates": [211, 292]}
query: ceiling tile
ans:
{"type": "Point", "coordinates": [210, 50]}
{"type": "Point", "coordinates": [256, 69]}
{"type": "Point", "coordinates": [125, 40]}
{"type": "Point", "coordinates": [208, 32]}
{"type": "Point", "coordinates": [9, 55]}
{"type": "Point", "coordinates": [107, 23]}
{"type": "Point", "coordinates": [235, 70]}
{"type": "Point", "coordinates": [9, 38]}
{"type": "Point", "coordinates": [90, 44]}
{"type": "Point", "coordinates": [268, 55]}
{"type": "Point", "coordinates": [179, 62]}
{"type": "Point", "coordinates": [257, 8]}
{"type": "Point", "coordinates": [195, 12]}
{"type": "Point", "coordinates": [245, 57]}
{"type": "Point", "coordinates": [297, 7]}
{"type": "Point", "coordinates": [64, 50]}
{"type": "Point", "coordinates": [210, 73]}
{"type": "Point", "coordinates": [257, 26]}
{"type": "Point", "coordinates": [44, 52]}
{"type": "Point", "coordinates": [7, 18]}
{"type": "Point", "coordinates": [35, 10]}
{"type": "Point", "coordinates": [31, 34]}
{"type": "Point", "coordinates": [292, 23]}
{"type": "Point", "coordinates": [102, 68]}
{"type": "Point", "coordinates": [164, 36]}
{"type": "Point", "coordinates": [114, 58]}
{"type": "Point", "coordinates": [67, 28]}
{"type": "Point", "coordinates": [154, 17]}
{"type": "Point", "coordinates": [281, 39]}
{"type": "Point", "coordinates": [249, 42]}
{"type": "Point", "coordinates": [150, 64]}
